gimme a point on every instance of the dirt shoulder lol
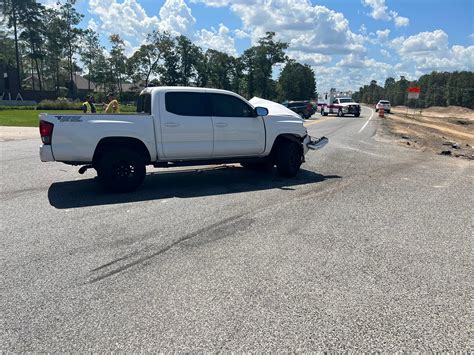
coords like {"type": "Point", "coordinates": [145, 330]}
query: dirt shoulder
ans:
{"type": "Point", "coordinates": [441, 130]}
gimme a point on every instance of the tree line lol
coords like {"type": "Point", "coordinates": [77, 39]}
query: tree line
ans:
{"type": "Point", "coordinates": [48, 45]}
{"type": "Point", "coordinates": [437, 89]}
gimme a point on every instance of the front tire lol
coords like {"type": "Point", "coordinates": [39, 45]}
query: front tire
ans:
{"type": "Point", "coordinates": [340, 113]}
{"type": "Point", "coordinates": [289, 159]}
{"type": "Point", "coordinates": [121, 170]}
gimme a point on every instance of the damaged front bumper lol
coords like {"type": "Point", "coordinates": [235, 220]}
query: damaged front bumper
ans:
{"type": "Point", "coordinates": [311, 143]}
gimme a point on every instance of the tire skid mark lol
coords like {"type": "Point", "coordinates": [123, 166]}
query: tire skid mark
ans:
{"type": "Point", "coordinates": [209, 234]}
{"type": "Point", "coordinates": [215, 226]}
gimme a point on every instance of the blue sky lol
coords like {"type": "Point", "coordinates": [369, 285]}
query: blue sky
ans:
{"type": "Point", "coordinates": [347, 42]}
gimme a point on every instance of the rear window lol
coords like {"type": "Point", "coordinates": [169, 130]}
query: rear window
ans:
{"type": "Point", "coordinates": [384, 102]}
{"type": "Point", "coordinates": [144, 104]}
{"type": "Point", "coordinates": [187, 103]}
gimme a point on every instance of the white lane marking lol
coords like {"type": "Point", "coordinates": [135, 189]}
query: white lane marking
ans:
{"type": "Point", "coordinates": [366, 123]}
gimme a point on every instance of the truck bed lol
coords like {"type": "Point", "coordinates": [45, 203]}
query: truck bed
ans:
{"type": "Point", "coordinates": [76, 136]}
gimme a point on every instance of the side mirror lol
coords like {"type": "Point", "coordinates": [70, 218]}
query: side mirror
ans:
{"type": "Point", "coordinates": [261, 111]}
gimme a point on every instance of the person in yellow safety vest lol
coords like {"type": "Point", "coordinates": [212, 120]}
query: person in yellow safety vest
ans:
{"type": "Point", "coordinates": [88, 105]}
{"type": "Point", "coordinates": [113, 106]}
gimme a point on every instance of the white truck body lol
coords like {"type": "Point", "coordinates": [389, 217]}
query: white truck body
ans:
{"type": "Point", "coordinates": [171, 132]}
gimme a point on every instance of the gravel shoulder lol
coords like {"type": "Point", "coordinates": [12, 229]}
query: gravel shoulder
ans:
{"type": "Point", "coordinates": [436, 130]}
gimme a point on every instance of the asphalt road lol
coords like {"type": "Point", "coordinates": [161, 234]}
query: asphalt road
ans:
{"type": "Point", "coordinates": [369, 248]}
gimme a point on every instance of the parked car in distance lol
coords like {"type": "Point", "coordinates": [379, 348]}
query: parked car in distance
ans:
{"type": "Point", "coordinates": [303, 108]}
{"type": "Point", "coordinates": [385, 104]}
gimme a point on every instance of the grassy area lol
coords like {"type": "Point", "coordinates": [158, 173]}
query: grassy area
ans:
{"type": "Point", "coordinates": [27, 118]}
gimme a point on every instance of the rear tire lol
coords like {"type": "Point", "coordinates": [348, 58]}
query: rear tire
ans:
{"type": "Point", "coordinates": [289, 159]}
{"type": "Point", "coordinates": [356, 114]}
{"type": "Point", "coordinates": [121, 170]}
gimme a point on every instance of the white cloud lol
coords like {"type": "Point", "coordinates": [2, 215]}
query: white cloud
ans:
{"type": "Point", "coordinates": [307, 28]}
{"type": "Point", "coordinates": [309, 58]}
{"type": "Point", "coordinates": [52, 4]}
{"type": "Point", "coordinates": [176, 17]}
{"type": "Point", "coordinates": [355, 61]}
{"type": "Point", "coordinates": [430, 51]}
{"type": "Point", "coordinates": [385, 53]}
{"type": "Point", "coordinates": [134, 24]}
{"type": "Point", "coordinates": [422, 42]}
{"type": "Point", "coordinates": [93, 25]}
{"type": "Point", "coordinates": [380, 11]}
{"type": "Point", "coordinates": [401, 21]}
{"type": "Point", "coordinates": [219, 39]}
{"type": "Point", "coordinates": [241, 34]}
{"type": "Point", "coordinates": [383, 35]}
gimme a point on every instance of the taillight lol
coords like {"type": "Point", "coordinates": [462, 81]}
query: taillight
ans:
{"type": "Point", "coordinates": [46, 132]}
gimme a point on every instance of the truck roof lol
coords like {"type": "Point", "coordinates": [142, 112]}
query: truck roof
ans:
{"type": "Point", "coordinates": [183, 88]}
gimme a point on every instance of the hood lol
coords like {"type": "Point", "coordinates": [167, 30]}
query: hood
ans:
{"type": "Point", "coordinates": [349, 104]}
{"type": "Point", "coordinates": [274, 109]}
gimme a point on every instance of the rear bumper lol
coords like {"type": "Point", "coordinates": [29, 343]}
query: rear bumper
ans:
{"type": "Point", "coordinates": [46, 153]}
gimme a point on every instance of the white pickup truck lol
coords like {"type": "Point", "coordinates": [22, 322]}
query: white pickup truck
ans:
{"type": "Point", "coordinates": [178, 126]}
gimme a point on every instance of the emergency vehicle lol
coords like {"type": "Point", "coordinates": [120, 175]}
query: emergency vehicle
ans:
{"type": "Point", "coordinates": [333, 104]}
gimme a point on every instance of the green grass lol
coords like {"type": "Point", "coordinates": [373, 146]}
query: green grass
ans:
{"type": "Point", "coordinates": [25, 118]}
{"type": "Point", "coordinates": [29, 118]}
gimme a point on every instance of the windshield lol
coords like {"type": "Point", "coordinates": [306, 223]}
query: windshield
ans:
{"type": "Point", "coordinates": [345, 100]}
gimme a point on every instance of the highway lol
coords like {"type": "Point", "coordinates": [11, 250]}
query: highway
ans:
{"type": "Point", "coordinates": [369, 248]}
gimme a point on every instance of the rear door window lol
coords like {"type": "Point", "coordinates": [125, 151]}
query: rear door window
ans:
{"type": "Point", "coordinates": [187, 103]}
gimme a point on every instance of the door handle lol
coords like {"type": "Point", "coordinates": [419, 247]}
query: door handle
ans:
{"type": "Point", "coordinates": [171, 124]}
{"type": "Point", "coordinates": [221, 124]}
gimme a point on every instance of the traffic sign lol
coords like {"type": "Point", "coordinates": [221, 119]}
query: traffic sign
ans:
{"type": "Point", "coordinates": [414, 92]}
